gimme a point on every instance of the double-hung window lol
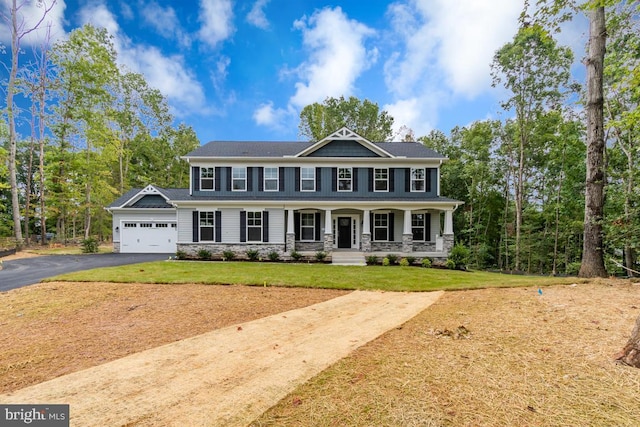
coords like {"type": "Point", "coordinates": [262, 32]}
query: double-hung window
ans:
{"type": "Point", "coordinates": [381, 179]}
{"type": "Point", "coordinates": [270, 179]}
{"type": "Point", "coordinates": [381, 227]}
{"type": "Point", "coordinates": [207, 178]}
{"type": "Point", "coordinates": [239, 179]}
{"type": "Point", "coordinates": [308, 179]}
{"type": "Point", "coordinates": [307, 226]}
{"type": "Point", "coordinates": [419, 227]}
{"type": "Point", "coordinates": [417, 179]}
{"type": "Point", "coordinates": [344, 179]}
{"type": "Point", "coordinates": [254, 226]}
{"type": "Point", "coordinates": [207, 223]}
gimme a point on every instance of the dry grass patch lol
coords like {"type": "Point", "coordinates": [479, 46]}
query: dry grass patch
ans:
{"type": "Point", "coordinates": [52, 329]}
{"type": "Point", "coordinates": [520, 359]}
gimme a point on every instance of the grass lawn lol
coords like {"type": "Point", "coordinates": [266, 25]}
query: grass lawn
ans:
{"type": "Point", "coordinates": [392, 278]}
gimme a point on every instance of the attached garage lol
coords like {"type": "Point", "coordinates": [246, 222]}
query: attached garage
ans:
{"type": "Point", "coordinates": [148, 237]}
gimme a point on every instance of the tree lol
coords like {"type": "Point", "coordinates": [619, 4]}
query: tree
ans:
{"type": "Point", "coordinates": [363, 117]}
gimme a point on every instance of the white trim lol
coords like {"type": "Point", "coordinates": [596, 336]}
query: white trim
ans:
{"type": "Point", "coordinates": [350, 190]}
{"type": "Point", "coordinates": [264, 179]}
{"type": "Point", "coordinates": [348, 135]}
{"type": "Point", "coordinates": [308, 179]}
{"type": "Point", "coordinates": [354, 229]}
{"type": "Point", "coordinates": [214, 178]}
{"type": "Point", "coordinates": [374, 180]}
{"type": "Point", "coordinates": [244, 179]}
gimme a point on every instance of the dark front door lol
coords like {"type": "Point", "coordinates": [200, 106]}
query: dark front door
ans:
{"type": "Point", "coordinates": [344, 232]}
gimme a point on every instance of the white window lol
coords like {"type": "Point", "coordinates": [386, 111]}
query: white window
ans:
{"type": "Point", "coordinates": [419, 227]}
{"type": "Point", "coordinates": [308, 179]}
{"type": "Point", "coordinates": [207, 178]}
{"type": "Point", "coordinates": [417, 179]}
{"type": "Point", "coordinates": [270, 179]}
{"type": "Point", "coordinates": [381, 227]}
{"type": "Point", "coordinates": [344, 179]}
{"type": "Point", "coordinates": [239, 181]}
{"type": "Point", "coordinates": [381, 179]}
{"type": "Point", "coordinates": [307, 226]}
{"type": "Point", "coordinates": [207, 222]}
{"type": "Point", "coordinates": [254, 226]}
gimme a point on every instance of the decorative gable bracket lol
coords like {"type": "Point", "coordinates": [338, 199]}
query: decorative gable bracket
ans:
{"type": "Point", "coordinates": [345, 134]}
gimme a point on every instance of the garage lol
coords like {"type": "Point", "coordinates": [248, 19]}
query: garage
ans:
{"type": "Point", "coordinates": [148, 237]}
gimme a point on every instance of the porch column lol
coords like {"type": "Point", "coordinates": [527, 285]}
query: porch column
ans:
{"type": "Point", "coordinates": [407, 234]}
{"type": "Point", "coordinates": [447, 235]}
{"type": "Point", "coordinates": [291, 232]}
{"type": "Point", "coordinates": [328, 231]}
{"type": "Point", "coordinates": [366, 231]}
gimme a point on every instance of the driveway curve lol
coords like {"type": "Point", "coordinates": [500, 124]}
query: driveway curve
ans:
{"type": "Point", "coordinates": [28, 271]}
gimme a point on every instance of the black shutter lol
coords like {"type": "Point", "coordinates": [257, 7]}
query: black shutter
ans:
{"type": "Point", "coordinates": [334, 179]}
{"type": "Point", "coordinates": [427, 185]}
{"type": "Point", "coordinates": [370, 173]}
{"type": "Point", "coordinates": [392, 176]}
{"type": "Point", "coordinates": [354, 174]}
{"type": "Point", "coordinates": [261, 179]}
{"type": "Point", "coordinates": [391, 226]}
{"type": "Point", "coordinates": [228, 179]}
{"type": "Point", "coordinates": [196, 178]}
{"type": "Point", "coordinates": [196, 222]}
{"type": "Point", "coordinates": [371, 227]}
{"type": "Point", "coordinates": [218, 226]}
{"type": "Point", "coordinates": [318, 179]}
{"type": "Point", "coordinates": [318, 226]}
{"type": "Point", "coordinates": [249, 179]}
{"type": "Point", "coordinates": [427, 227]}
{"type": "Point", "coordinates": [407, 180]}
{"type": "Point", "coordinates": [243, 226]}
{"type": "Point", "coordinates": [265, 226]}
{"type": "Point", "coordinates": [281, 178]}
{"type": "Point", "coordinates": [218, 177]}
{"type": "Point", "coordinates": [296, 224]}
{"type": "Point", "coordinates": [297, 179]}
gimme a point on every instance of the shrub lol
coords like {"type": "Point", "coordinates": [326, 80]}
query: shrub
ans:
{"type": "Point", "coordinates": [386, 262]}
{"type": "Point", "coordinates": [273, 256]}
{"type": "Point", "coordinates": [253, 254]}
{"type": "Point", "coordinates": [321, 255]}
{"type": "Point", "coordinates": [181, 255]}
{"type": "Point", "coordinates": [295, 255]}
{"type": "Point", "coordinates": [90, 246]}
{"type": "Point", "coordinates": [372, 260]}
{"type": "Point", "coordinates": [450, 264]}
{"type": "Point", "coordinates": [426, 263]}
{"type": "Point", "coordinates": [459, 256]}
{"type": "Point", "coordinates": [393, 258]}
{"type": "Point", "coordinates": [228, 255]}
{"type": "Point", "coordinates": [404, 262]}
{"type": "Point", "coordinates": [411, 260]}
{"type": "Point", "coordinates": [204, 254]}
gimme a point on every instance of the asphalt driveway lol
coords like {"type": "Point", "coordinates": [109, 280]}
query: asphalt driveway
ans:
{"type": "Point", "coordinates": [28, 271]}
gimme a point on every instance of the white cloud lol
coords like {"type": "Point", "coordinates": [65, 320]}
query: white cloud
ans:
{"type": "Point", "coordinates": [337, 56]}
{"type": "Point", "coordinates": [417, 113]}
{"type": "Point", "coordinates": [165, 21]}
{"type": "Point", "coordinates": [28, 16]}
{"type": "Point", "coordinates": [166, 73]}
{"type": "Point", "coordinates": [256, 15]}
{"type": "Point", "coordinates": [216, 17]}
{"type": "Point", "coordinates": [275, 118]}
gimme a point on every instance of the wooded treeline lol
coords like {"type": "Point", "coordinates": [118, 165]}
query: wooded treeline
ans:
{"type": "Point", "coordinates": [95, 131]}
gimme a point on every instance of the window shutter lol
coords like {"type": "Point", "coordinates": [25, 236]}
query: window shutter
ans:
{"type": "Point", "coordinates": [243, 226]}
{"type": "Point", "coordinates": [372, 227]}
{"type": "Point", "coordinates": [318, 179]}
{"type": "Point", "coordinates": [195, 223]}
{"type": "Point", "coordinates": [196, 178]}
{"type": "Point", "coordinates": [391, 227]}
{"type": "Point", "coordinates": [427, 227]}
{"type": "Point", "coordinates": [317, 221]}
{"type": "Point", "coordinates": [370, 173]}
{"type": "Point", "coordinates": [297, 179]}
{"type": "Point", "coordinates": [354, 176]}
{"type": "Point", "coordinates": [218, 177]}
{"type": "Point", "coordinates": [260, 179]}
{"type": "Point", "coordinates": [296, 224]}
{"type": "Point", "coordinates": [334, 179]}
{"type": "Point", "coordinates": [265, 226]}
{"type": "Point", "coordinates": [218, 226]}
{"type": "Point", "coordinates": [427, 184]}
{"type": "Point", "coordinates": [229, 177]}
{"type": "Point", "coordinates": [392, 175]}
{"type": "Point", "coordinates": [281, 178]}
{"type": "Point", "coordinates": [407, 180]}
{"type": "Point", "coordinates": [249, 179]}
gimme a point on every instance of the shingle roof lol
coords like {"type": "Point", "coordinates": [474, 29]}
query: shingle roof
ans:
{"type": "Point", "coordinates": [169, 193]}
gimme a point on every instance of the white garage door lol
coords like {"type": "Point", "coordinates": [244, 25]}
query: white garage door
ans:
{"type": "Point", "coordinates": [148, 237]}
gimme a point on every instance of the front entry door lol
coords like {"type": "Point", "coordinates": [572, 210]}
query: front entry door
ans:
{"type": "Point", "coordinates": [344, 232]}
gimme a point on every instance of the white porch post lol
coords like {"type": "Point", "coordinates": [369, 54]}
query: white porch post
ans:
{"type": "Point", "coordinates": [365, 241]}
{"type": "Point", "coordinates": [290, 237]}
{"type": "Point", "coordinates": [407, 234]}
{"type": "Point", "coordinates": [328, 231]}
{"type": "Point", "coordinates": [448, 221]}
{"type": "Point", "coordinates": [407, 222]}
{"type": "Point", "coordinates": [290, 223]}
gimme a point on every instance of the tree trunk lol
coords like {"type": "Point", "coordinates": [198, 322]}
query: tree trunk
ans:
{"type": "Point", "coordinates": [592, 254]}
{"type": "Point", "coordinates": [630, 354]}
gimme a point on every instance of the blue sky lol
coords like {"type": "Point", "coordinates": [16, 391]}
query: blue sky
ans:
{"type": "Point", "coordinates": [243, 70]}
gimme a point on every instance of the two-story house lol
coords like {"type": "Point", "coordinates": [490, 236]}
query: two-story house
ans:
{"type": "Point", "coordinates": [343, 193]}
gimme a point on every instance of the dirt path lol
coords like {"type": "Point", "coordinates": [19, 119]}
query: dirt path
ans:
{"type": "Point", "coordinates": [228, 376]}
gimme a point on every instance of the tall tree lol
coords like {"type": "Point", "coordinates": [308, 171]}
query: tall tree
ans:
{"type": "Point", "coordinates": [363, 117]}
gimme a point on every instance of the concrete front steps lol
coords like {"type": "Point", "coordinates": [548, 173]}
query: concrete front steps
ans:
{"type": "Point", "coordinates": [347, 258]}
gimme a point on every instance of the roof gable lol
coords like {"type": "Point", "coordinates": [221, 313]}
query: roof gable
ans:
{"type": "Point", "coordinates": [148, 197]}
{"type": "Point", "coordinates": [334, 146]}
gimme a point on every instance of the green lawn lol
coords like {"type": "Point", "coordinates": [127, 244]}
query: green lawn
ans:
{"type": "Point", "coordinates": [393, 278]}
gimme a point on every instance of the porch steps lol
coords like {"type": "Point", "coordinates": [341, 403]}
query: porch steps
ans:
{"type": "Point", "coordinates": [347, 258]}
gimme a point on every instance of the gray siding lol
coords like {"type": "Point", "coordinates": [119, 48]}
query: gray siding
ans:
{"type": "Point", "coordinates": [185, 225]}
{"type": "Point", "coordinates": [343, 149]}
{"type": "Point", "coordinates": [230, 225]}
{"type": "Point", "coordinates": [277, 226]}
